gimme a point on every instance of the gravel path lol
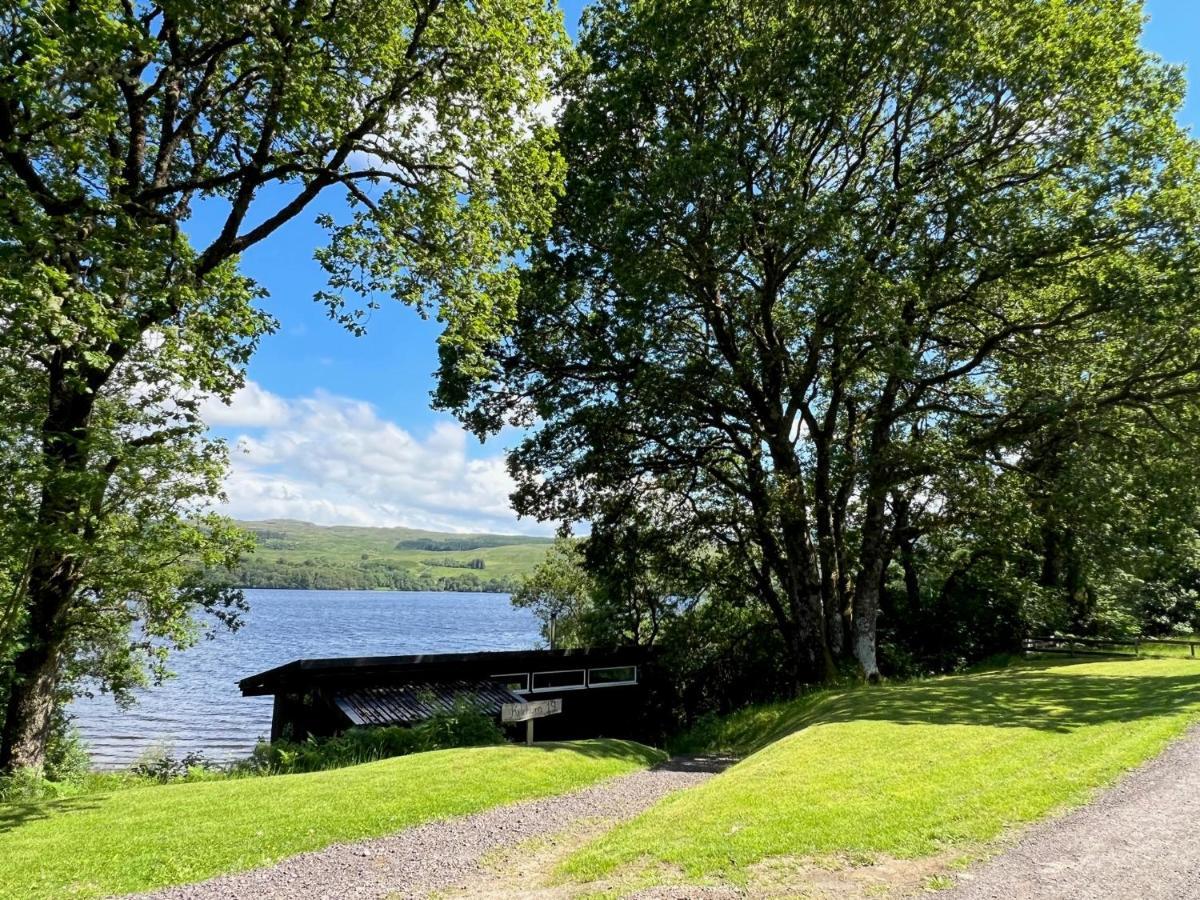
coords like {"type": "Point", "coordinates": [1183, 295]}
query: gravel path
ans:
{"type": "Point", "coordinates": [438, 855]}
{"type": "Point", "coordinates": [1140, 839]}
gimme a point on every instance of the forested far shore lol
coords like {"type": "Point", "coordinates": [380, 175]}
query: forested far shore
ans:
{"type": "Point", "coordinates": [299, 555]}
{"type": "Point", "coordinates": [385, 578]}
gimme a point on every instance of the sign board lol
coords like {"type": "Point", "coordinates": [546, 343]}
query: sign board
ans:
{"type": "Point", "coordinates": [524, 712]}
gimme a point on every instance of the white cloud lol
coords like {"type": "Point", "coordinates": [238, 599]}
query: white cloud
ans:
{"type": "Point", "coordinates": [334, 461]}
{"type": "Point", "coordinates": [250, 407]}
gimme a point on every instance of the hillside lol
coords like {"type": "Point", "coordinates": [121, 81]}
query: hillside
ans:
{"type": "Point", "coordinates": [292, 554]}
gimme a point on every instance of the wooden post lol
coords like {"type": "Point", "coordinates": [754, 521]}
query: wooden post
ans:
{"type": "Point", "coordinates": [529, 732]}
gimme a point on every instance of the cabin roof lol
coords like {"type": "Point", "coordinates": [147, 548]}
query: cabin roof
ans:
{"type": "Point", "coordinates": [416, 701]}
{"type": "Point", "coordinates": [300, 674]}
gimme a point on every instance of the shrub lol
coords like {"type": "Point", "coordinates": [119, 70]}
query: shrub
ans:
{"type": "Point", "coordinates": [66, 753]}
{"type": "Point", "coordinates": [1163, 610]}
{"type": "Point", "coordinates": [159, 764]}
{"type": "Point", "coordinates": [66, 766]}
{"type": "Point", "coordinates": [27, 785]}
{"type": "Point", "coordinates": [717, 658]}
{"type": "Point", "coordinates": [465, 726]}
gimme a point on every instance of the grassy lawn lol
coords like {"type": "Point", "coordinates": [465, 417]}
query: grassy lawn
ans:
{"type": "Point", "coordinates": [142, 838]}
{"type": "Point", "coordinates": [904, 771]}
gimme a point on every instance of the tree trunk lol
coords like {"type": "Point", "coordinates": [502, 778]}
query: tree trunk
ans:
{"type": "Point", "coordinates": [827, 562]}
{"type": "Point", "coordinates": [805, 634]}
{"type": "Point", "coordinates": [1052, 565]}
{"type": "Point", "coordinates": [53, 574]}
{"type": "Point", "coordinates": [32, 695]}
{"type": "Point", "coordinates": [866, 608]}
{"type": "Point", "coordinates": [866, 590]}
{"type": "Point", "coordinates": [30, 710]}
{"type": "Point", "coordinates": [906, 536]}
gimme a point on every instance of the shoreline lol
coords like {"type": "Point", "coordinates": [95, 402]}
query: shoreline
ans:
{"type": "Point", "coordinates": [353, 590]}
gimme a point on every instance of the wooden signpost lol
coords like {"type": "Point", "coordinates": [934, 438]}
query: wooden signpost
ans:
{"type": "Point", "coordinates": [527, 712]}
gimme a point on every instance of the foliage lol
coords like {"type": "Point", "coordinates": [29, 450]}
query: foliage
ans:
{"type": "Point", "coordinates": [454, 543]}
{"type": "Point", "coordinates": [628, 584]}
{"type": "Point", "coordinates": [622, 585]}
{"type": "Point", "coordinates": [117, 122]}
{"type": "Point", "coordinates": [67, 766]}
{"type": "Point", "coordinates": [721, 656]}
{"type": "Point", "coordinates": [1170, 610]}
{"type": "Point", "coordinates": [26, 785]}
{"type": "Point", "coordinates": [464, 727]}
{"type": "Point", "coordinates": [66, 753]}
{"type": "Point", "coordinates": [908, 770]}
{"type": "Point", "coordinates": [159, 764]}
{"type": "Point", "coordinates": [559, 593]}
{"type": "Point", "coordinates": [818, 282]}
{"type": "Point", "coordinates": [145, 838]}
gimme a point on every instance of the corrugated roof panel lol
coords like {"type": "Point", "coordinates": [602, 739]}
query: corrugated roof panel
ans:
{"type": "Point", "coordinates": [408, 704]}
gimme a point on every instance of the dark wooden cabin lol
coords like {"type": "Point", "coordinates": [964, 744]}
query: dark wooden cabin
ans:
{"type": "Point", "coordinates": [602, 691]}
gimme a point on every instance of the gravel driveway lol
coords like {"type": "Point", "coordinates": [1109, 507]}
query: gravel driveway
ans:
{"type": "Point", "coordinates": [1137, 841]}
{"type": "Point", "coordinates": [438, 855]}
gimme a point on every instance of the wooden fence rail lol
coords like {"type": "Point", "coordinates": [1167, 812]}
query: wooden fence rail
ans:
{"type": "Point", "coordinates": [1079, 646]}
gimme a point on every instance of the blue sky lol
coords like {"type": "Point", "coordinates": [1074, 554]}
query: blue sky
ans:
{"type": "Point", "coordinates": [337, 429]}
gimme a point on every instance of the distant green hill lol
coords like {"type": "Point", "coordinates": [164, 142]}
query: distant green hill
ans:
{"type": "Point", "coordinates": [292, 554]}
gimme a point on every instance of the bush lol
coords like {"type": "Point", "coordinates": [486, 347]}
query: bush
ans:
{"type": "Point", "coordinates": [464, 727]}
{"type": "Point", "coordinates": [717, 658]}
{"type": "Point", "coordinates": [66, 766]}
{"type": "Point", "coordinates": [159, 764]}
{"type": "Point", "coordinates": [66, 753]}
{"type": "Point", "coordinates": [1163, 610]}
{"type": "Point", "coordinates": [26, 786]}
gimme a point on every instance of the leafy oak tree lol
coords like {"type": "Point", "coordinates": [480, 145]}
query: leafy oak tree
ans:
{"type": "Point", "coordinates": [118, 120]}
{"type": "Point", "coordinates": [812, 263]}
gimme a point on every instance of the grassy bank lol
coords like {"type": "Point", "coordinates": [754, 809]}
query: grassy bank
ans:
{"type": "Point", "coordinates": [142, 838]}
{"type": "Point", "coordinates": [902, 771]}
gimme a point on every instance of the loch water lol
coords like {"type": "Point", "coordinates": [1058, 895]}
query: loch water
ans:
{"type": "Point", "coordinates": [201, 708]}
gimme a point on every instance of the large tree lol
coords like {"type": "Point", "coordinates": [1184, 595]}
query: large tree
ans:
{"type": "Point", "coordinates": [810, 261]}
{"type": "Point", "coordinates": [118, 120]}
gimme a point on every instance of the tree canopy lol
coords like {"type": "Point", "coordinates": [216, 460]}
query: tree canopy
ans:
{"type": "Point", "coordinates": [118, 121]}
{"type": "Point", "coordinates": [822, 281]}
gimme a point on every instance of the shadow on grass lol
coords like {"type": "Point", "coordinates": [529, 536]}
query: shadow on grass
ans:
{"type": "Point", "coordinates": [1013, 698]}
{"type": "Point", "coordinates": [14, 815]}
{"type": "Point", "coordinates": [711, 763]}
{"type": "Point", "coordinates": [605, 748]}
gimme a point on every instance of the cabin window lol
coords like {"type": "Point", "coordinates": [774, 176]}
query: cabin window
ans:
{"type": "Point", "coordinates": [611, 676]}
{"type": "Point", "coordinates": [564, 680]}
{"type": "Point", "coordinates": [517, 683]}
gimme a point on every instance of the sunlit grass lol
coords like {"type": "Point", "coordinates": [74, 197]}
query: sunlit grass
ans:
{"type": "Point", "coordinates": [907, 770]}
{"type": "Point", "coordinates": [1176, 650]}
{"type": "Point", "coordinates": [142, 838]}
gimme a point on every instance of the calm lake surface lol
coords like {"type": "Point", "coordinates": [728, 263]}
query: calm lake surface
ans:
{"type": "Point", "coordinates": [202, 709]}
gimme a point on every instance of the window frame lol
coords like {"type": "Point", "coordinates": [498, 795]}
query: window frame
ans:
{"type": "Point", "coordinates": [611, 683]}
{"type": "Point", "coordinates": [512, 676]}
{"type": "Point", "coordinates": [570, 687]}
